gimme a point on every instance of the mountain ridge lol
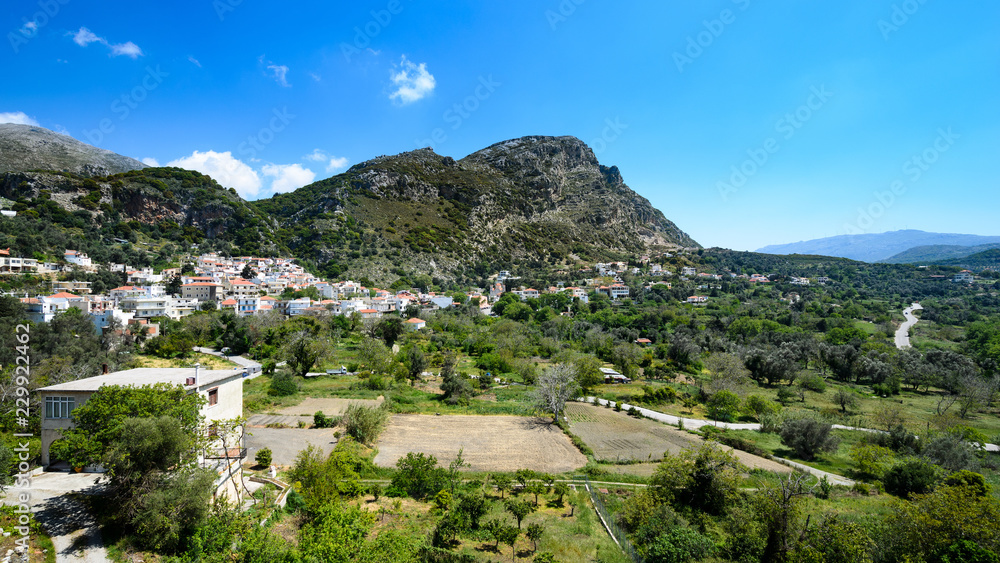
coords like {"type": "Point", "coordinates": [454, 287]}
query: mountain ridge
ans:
{"type": "Point", "coordinates": [877, 247]}
{"type": "Point", "coordinates": [27, 148]}
{"type": "Point", "coordinates": [534, 201]}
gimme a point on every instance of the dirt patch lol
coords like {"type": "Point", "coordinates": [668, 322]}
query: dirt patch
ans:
{"type": "Point", "coordinates": [616, 436]}
{"type": "Point", "coordinates": [329, 406]}
{"type": "Point", "coordinates": [489, 443]}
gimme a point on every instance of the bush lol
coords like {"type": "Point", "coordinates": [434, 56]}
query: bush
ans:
{"type": "Point", "coordinates": [678, 545]}
{"type": "Point", "coordinates": [808, 437]}
{"type": "Point", "coordinates": [757, 406]}
{"type": "Point", "coordinates": [785, 395]}
{"type": "Point", "coordinates": [871, 459]}
{"type": "Point", "coordinates": [951, 453]}
{"type": "Point", "coordinates": [812, 382]}
{"type": "Point", "coordinates": [263, 457]}
{"type": "Point", "coordinates": [770, 423]}
{"type": "Point", "coordinates": [724, 406]}
{"type": "Point", "coordinates": [911, 477]}
{"type": "Point", "coordinates": [320, 420]}
{"type": "Point", "coordinates": [364, 423]}
{"type": "Point", "coordinates": [283, 384]}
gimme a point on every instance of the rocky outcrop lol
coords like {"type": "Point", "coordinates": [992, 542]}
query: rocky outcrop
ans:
{"type": "Point", "coordinates": [26, 147]}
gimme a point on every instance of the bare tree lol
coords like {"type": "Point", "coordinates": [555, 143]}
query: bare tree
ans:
{"type": "Point", "coordinates": [556, 386]}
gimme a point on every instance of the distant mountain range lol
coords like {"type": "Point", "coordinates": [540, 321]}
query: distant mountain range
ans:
{"type": "Point", "coordinates": [901, 247]}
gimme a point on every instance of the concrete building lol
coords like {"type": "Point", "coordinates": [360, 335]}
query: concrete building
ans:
{"type": "Point", "coordinates": [222, 390]}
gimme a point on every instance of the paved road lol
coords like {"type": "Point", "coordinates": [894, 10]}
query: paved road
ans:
{"type": "Point", "coordinates": [74, 531]}
{"type": "Point", "coordinates": [694, 423]}
{"type": "Point", "coordinates": [903, 333]}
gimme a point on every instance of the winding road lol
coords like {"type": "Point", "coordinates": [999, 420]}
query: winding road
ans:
{"type": "Point", "coordinates": [903, 333]}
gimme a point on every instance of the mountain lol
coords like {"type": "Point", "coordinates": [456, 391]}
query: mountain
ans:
{"type": "Point", "coordinates": [534, 201]}
{"type": "Point", "coordinates": [938, 254]}
{"type": "Point", "coordinates": [876, 247]}
{"type": "Point", "coordinates": [985, 260]}
{"type": "Point", "coordinates": [528, 201]}
{"type": "Point", "coordinates": [122, 216]}
{"type": "Point", "coordinates": [25, 147]}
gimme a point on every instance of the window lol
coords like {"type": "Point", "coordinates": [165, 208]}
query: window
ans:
{"type": "Point", "coordinates": [213, 396]}
{"type": "Point", "coordinates": [59, 407]}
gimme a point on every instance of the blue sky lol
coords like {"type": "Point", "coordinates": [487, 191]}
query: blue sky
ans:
{"type": "Point", "coordinates": [747, 123]}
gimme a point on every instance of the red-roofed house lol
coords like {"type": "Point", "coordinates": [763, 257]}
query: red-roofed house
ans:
{"type": "Point", "coordinates": [415, 323]}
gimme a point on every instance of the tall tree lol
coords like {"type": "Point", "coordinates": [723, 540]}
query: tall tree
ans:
{"type": "Point", "coordinates": [556, 385]}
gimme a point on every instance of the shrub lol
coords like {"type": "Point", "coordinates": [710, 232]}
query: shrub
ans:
{"type": "Point", "coordinates": [263, 457]}
{"type": "Point", "coordinates": [812, 382]}
{"type": "Point", "coordinates": [911, 477]}
{"type": "Point", "coordinates": [871, 459]}
{"type": "Point", "coordinates": [951, 453]}
{"type": "Point", "coordinates": [282, 385]}
{"type": "Point", "coordinates": [678, 545]}
{"type": "Point", "coordinates": [756, 406]}
{"type": "Point", "coordinates": [724, 406]}
{"type": "Point", "coordinates": [785, 395]}
{"type": "Point", "coordinates": [808, 437]}
{"type": "Point", "coordinates": [364, 423]}
{"type": "Point", "coordinates": [320, 420]}
{"type": "Point", "coordinates": [770, 423]}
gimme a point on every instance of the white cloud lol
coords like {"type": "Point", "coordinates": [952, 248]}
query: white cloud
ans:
{"type": "Point", "coordinates": [128, 49]}
{"type": "Point", "coordinates": [150, 161]}
{"type": "Point", "coordinates": [315, 77]}
{"type": "Point", "coordinates": [85, 37]}
{"type": "Point", "coordinates": [17, 117]}
{"type": "Point", "coordinates": [29, 29]}
{"type": "Point", "coordinates": [333, 163]}
{"type": "Point", "coordinates": [316, 156]}
{"type": "Point", "coordinates": [288, 177]}
{"type": "Point", "coordinates": [412, 82]}
{"type": "Point", "coordinates": [225, 169]}
{"type": "Point", "coordinates": [280, 74]}
{"type": "Point", "coordinates": [61, 130]}
{"type": "Point", "coordinates": [337, 163]}
{"type": "Point", "coordinates": [195, 61]}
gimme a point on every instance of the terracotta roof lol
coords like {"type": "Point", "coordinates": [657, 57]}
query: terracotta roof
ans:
{"type": "Point", "coordinates": [229, 301]}
{"type": "Point", "coordinates": [368, 311]}
{"type": "Point", "coordinates": [415, 320]}
{"type": "Point", "coordinates": [200, 284]}
{"type": "Point", "coordinates": [64, 295]}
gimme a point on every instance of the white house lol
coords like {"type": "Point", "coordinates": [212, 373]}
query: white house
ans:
{"type": "Point", "coordinates": [77, 258]}
{"type": "Point", "coordinates": [222, 390]}
{"type": "Point", "coordinates": [965, 276]}
{"type": "Point", "coordinates": [415, 323]}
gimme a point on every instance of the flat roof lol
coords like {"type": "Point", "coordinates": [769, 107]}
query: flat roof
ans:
{"type": "Point", "coordinates": [146, 376]}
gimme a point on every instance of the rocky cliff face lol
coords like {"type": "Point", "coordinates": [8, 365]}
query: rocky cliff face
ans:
{"type": "Point", "coordinates": [529, 200]}
{"type": "Point", "coordinates": [24, 148]}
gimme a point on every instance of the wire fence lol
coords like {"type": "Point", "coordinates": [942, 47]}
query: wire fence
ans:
{"type": "Point", "coordinates": [611, 524]}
